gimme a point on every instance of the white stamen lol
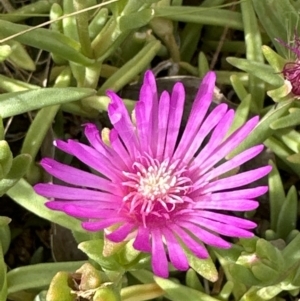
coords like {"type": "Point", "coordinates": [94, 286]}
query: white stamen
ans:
{"type": "Point", "coordinates": [156, 187]}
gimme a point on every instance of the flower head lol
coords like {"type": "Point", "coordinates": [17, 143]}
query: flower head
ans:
{"type": "Point", "coordinates": [156, 186]}
{"type": "Point", "coordinates": [291, 70]}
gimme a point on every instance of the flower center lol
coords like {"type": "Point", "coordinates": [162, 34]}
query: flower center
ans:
{"type": "Point", "coordinates": [156, 187]}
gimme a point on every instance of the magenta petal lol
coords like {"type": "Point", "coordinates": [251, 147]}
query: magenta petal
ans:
{"type": "Point", "coordinates": [200, 106]}
{"type": "Point", "coordinates": [163, 115]}
{"type": "Point", "coordinates": [224, 218]}
{"type": "Point", "coordinates": [204, 235]}
{"type": "Point", "coordinates": [81, 212]}
{"type": "Point", "coordinates": [215, 142]}
{"type": "Point", "coordinates": [159, 258]}
{"type": "Point", "coordinates": [237, 180]}
{"type": "Point", "coordinates": [250, 193]}
{"type": "Point", "coordinates": [176, 254]}
{"type": "Point", "coordinates": [196, 247]}
{"type": "Point", "coordinates": [70, 193]}
{"type": "Point", "coordinates": [100, 225]}
{"type": "Point", "coordinates": [119, 148]}
{"type": "Point", "coordinates": [120, 119]}
{"type": "Point", "coordinates": [85, 209]}
{"type": "Point", "coordinates": [186, 151]}
{"type": "Point", "coordinates": [92, 134]}
{"type": "Point", "coordinates": [234, 205]}
{"type": "Point", "coordinates": [228, 145]}
{"type": "Point", "coordinates": [90, 157]}
{"type": "Point", "coordinates": [224, 229]}
{"type": "Point", "coordinates": [142, 240]}
{"type": "Point", "coordinates": [175, 116]}
{"type": "Point", "coordinates": [146, 112]}
{"type": "Point", "coordinates": [234, 162]}
{"type": "Point", "coordinates": [121, 233]}
{"type": "Point", "coordinates": [75, 176]}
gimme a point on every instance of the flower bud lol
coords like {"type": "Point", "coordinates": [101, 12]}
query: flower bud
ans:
{"type": "Point", "coordinates": [105, 294]}
{"type": "Point", "coordinates": [90, 277]}
{"type": "Point", "coordinates": [59, 288]}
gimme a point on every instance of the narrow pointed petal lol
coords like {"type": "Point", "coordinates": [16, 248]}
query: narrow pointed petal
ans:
{"type": "Point", "coordinates": [238, 180]}
{"type": "Point", "coordinates": [163, 115]}
{"type": "Point", "coordinates": [188, 150]}
{"type": "Point", "coordinates": [205, 236]}
{"type": "Point", "coordinates": [250, 193]}
{"type": "Point", "coordinates": [142, 240]}
{"type": "Point", "coordinates": [121, 233]}
{"type": "Point", "coordinates": [159, 258]}
{"type": "Point", "coordinates": [120, 119]}
{"type": "Point", "coordinates": [176, 254]}
{"type": "Point", "coordinates": [229, 144]}
{"type": "Point", "coordinates": [175, 116]}
{"type": "Point", "coordinates": [233, 220]}
{"type": "Point", "coordinates": [69, 193]}
{"type": "Point", "coordinates": [234, 205]}
{"type": "Point", "coordinates": [199, 108]}
{"type": "Point", "coordinates": [76, 176]}
{"type": "Point", "coordinates": [234, 162]}
{"type": "Point", "coordinates": [100, 225]}
{"type": "Point", "coordinates": [194, 246]}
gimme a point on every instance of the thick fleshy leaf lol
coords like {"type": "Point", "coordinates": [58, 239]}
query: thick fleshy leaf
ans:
{"type": "Point", "coordinates": [15, 103]}
{"type": "Point", "coordinates": [200, 15]}
{"type": "Point", "coordinates": [45, 39]}
{"type": "Point", "coordinates": [179, 292]}
{"type": "Point", "coordinates": [94, 249]}
{"type": "Point", "coordinates": [29, 277]}
{"type": "Point", "coordinates": [260, 70]}
{"type": "Point", "coordinates": [23, 194]}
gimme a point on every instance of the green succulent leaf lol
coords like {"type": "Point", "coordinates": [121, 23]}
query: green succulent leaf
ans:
{"type": "Point", "coordinates": [94, 249]}
{"type": "Point", "coordinates": [29, 277]}
{"type": "Point", "coordinates": [242, 274]}
{"type": "Point", "coordinates": [6, 158]}
{"type": "Point", "coordinates": [51, 41]}
{"type": "Point", "coordinates": [274, 59]}
{"type": "Point", "coordinates": [20, 57]}
{"type": "Point", "coordinates": [276, 195]}
{"type": "Point", "coordinates": [15, 103]}
{"type": "Point", "coordinates": [179, 292]}
{"type": "Point", "coordinates": [4, 233]}
{"type": "Point", "coordinates": [18, 169]}
{"type": "Point", "coordinates": [276, 17]}
{"type": "Point", "coordinates": [136, 19]}
{"type": "Point", "coordinates": [3, 277]}
{"type": "Point", "coordinates": [23, 194]}
{"type": "Point", "coordinates": [201, 15]}
{"type": "Point", "coordinates": [273, 256]}
{"type": "Point", "coordinates": [5, 51]}
{"type": "Point", "coordinates": [269, 292]}
{"type": "Point", "coordinates": [280, 94]}
{"type": "Point", "coordinates": [290, 120]}
{"type": "Point", "coordinates": [287, 218]}
{"type": "Point", "coordinates": [291, 252]}
{"type": "Point", "coordinates": [204, 267]}
{"type": "Point", "coordinates": [260, 70]}
{"type": "Point", "coordinates": [264, 273]}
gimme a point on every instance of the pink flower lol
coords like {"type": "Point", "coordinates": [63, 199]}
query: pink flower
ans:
{"type": "Point", "coordinates": [155, 186]}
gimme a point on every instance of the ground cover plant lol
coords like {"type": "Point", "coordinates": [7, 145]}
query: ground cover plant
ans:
{"type": "Point", "coordinates": [149, 150]}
